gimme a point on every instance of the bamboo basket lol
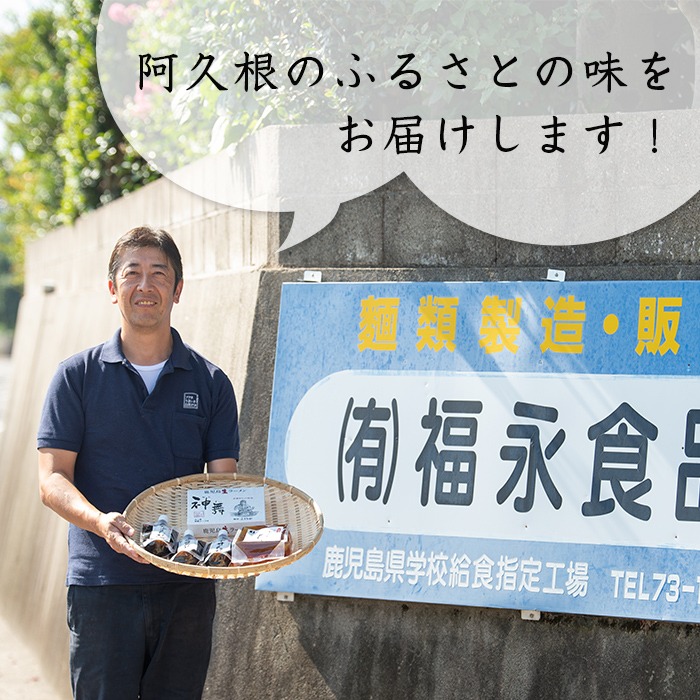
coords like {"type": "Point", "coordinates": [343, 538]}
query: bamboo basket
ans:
{"type": "Point", "coordinates": [284, 505]}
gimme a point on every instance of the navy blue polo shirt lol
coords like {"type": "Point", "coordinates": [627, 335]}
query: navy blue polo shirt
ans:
{"type": "Point", "coordinates": [127, 439]}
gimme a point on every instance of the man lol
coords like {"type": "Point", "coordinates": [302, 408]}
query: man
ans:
{"type": "Point", "coordinates": [137, 410]}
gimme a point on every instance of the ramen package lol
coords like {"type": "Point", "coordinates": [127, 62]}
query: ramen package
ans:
{"type": "Point", "coordinates": [218, 552]}
{"type": "Point", "coordinates": [190, 550]}
{"type": "Point", "coordinates": [258, 544]}
{"type": "Point", "coordinates": [159, 538]}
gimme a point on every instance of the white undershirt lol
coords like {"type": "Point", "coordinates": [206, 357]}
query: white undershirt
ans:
{"type": "Point", "coordinates": [149, 373]}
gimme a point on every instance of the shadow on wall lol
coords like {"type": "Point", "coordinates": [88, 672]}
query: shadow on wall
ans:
{"type": "Point", "coordinates": [440, 652]}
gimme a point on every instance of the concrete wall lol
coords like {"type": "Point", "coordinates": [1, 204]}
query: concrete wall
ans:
{"type": "Point", "coordinates": [65, 308]}
{"type": "Point", "coordinates": [319, 647]}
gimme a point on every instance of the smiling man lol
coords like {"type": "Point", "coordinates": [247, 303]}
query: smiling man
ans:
{"type": "Point", "coordinates": [139, 409]}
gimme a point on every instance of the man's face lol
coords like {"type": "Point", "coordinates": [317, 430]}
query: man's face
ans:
{"type": "Point", "coordinates": [144, 288]}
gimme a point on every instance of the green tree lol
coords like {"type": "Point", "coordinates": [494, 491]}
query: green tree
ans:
{"type": "Point", "coordinates": [99, 165]}
{"type": "Point", "coordinates": [32, 105]}
{"type": "Point", "coordinates": [61, 152]}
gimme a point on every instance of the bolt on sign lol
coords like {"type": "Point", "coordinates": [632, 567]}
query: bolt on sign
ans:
{"type": "Point", "coordinates": [528, 445]}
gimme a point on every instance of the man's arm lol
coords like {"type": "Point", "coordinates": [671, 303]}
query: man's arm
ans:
{"type": "Point", "coordinates": [222, 466]}
{"type": "Point", "coordinates": [58, 492]}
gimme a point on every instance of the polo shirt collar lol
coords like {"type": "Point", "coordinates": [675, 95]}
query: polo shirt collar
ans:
{"type": "Point", "coordinates": [179, 357]}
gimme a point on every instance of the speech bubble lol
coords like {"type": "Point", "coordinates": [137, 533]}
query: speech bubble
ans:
{"type": "Point", "coordinates": [553, 122]}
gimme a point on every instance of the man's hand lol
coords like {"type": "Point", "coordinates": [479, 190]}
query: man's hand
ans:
{"type": "Point", "coordinates": [114, 529]}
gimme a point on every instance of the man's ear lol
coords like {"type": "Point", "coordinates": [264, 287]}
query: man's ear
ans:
{"type": "Point", "coordinates": [112, 291]}
{"type": "Point", "coordinates": [178, 291]}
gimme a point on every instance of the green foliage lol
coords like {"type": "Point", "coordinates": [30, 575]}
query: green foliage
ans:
{"type": "Point", "coordinates": [32, 103]}
{"type": "Point", "coordinates": [98, 163]}
{"type": "Point", "coordinates": [61, 152]}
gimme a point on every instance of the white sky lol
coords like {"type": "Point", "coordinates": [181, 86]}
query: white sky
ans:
{"type": "Point", "coordinates": [20, 9]}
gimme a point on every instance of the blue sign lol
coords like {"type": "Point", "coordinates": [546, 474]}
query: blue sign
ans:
{"type": "Point", "coordinates": [516, 445]}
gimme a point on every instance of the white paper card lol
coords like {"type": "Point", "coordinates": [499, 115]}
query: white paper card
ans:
{"type": "Point", "coordinates": [208, 510]}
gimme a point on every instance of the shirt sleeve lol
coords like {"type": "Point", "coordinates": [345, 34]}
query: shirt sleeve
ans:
{"type": "Point", "coordinates": [62, 421]}
{"type": "Point", "coordinates": [222, 438]}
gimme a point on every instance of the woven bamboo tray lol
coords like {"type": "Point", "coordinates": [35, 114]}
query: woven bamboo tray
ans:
{"type": "Point", "coordinates": [284, 505]}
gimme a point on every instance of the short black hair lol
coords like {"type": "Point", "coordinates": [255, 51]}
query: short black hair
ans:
{"type": "Point", "coordinates": [146, 237]}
